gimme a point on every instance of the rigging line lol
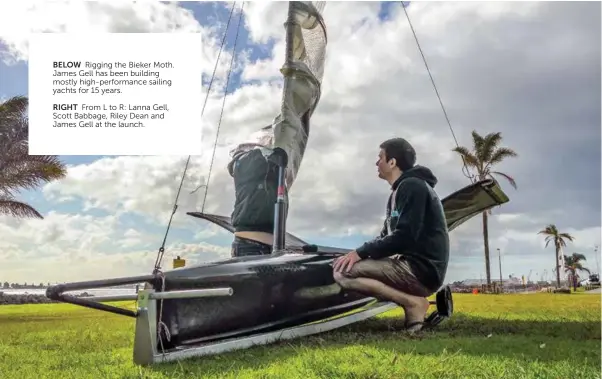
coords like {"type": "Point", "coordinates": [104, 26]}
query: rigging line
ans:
{"type": "Point", "coordinates": [223, 105]}
{"type": "Point", "coordinates": [467, 171]}
{"type": "Point", "coordinates": [175, 207]}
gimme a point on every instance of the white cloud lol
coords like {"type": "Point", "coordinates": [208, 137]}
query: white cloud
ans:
{"type": "Point", "coordinates": [264, 20]}
{"type": "Point", "coordinates": [73, 247]}
{"type": "Point", "coordinates": [211, 230]}
{"type": "Point", "coordinates": [18, 19]}
{"type": "Point", "coordinates": [522, 68]}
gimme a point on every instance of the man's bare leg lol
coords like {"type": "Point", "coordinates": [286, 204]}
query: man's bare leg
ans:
{"type": "Point", "coordinates": [415, 307]}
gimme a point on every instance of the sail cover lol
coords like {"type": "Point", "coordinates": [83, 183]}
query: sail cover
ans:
{"type": "Point", "coordinates": [302, 70]}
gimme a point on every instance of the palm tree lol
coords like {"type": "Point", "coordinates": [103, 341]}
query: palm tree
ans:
{"type": "Point", "coordinates": [553, 235]}
{"type": "Point", "coordinates": [485, 154]}
{"type": "Point", "coordinates": [572, 264]}
{"type": "Point", "coordinates": [18, 169]}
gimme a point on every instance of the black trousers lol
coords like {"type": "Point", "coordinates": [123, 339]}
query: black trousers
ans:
{"type": "Point", "coordinates": [243, 247]}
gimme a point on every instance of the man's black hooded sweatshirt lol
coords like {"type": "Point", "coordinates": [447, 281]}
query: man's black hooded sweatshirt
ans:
{"type": "Point", "coordinates": [418, 229]}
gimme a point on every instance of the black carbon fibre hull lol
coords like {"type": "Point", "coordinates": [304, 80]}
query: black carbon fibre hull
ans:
{"type": "Point", "coordinates": [269, 293]}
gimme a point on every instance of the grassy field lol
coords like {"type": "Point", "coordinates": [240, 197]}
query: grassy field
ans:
{"type": "Point", "coordinates": [490, 336]}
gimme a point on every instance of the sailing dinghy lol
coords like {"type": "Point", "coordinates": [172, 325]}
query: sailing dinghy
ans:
{"type": "Point", "coordinates": [237, 303]}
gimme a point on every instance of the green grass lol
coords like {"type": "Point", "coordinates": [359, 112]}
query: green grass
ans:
{"type": "Point", "coordinates": [489, 336]}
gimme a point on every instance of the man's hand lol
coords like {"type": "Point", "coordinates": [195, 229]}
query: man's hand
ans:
{"type": "Point", "coordinates": [346, 262]}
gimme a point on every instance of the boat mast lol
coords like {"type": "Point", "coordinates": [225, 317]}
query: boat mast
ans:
{"type": "Point", "coordinates": [302, 71]}
{"type": "Point", "coordinates": [280, 159]}
{"type": "Point", "coordinates": [279, 156]}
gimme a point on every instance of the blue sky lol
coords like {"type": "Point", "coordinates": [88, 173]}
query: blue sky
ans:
{"type": "Point", "coordinates": [14, 79]}
{"type": "Point", "coordinates": [15, 82]}
{"type": "Point", "coordinates": [478, 63]}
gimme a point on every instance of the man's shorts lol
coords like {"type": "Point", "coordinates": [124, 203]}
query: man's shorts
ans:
{"type": "Point", "coordinates": [243, 247]}
{"type": "Point", "coordinates": [394, 272]}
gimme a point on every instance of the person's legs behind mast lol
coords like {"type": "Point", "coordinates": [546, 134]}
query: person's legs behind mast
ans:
{"type": "Point", "coordinates": [256, 186]}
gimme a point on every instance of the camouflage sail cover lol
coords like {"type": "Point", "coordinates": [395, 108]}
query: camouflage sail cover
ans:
{"type": "Point", "coordinates": [302, 70]}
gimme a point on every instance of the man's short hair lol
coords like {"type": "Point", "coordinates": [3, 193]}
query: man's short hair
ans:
{"type": "Point", "coordinates": [401, 150]}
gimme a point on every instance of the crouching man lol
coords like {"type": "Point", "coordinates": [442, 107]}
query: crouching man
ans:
{"type": "Point", "coordinates": [408, 261]}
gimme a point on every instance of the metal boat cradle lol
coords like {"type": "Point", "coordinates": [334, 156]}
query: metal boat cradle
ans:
{"type": "Point", "coordinates": [236, 303]}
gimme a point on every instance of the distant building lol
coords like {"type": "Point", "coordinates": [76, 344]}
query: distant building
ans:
{"type": "Point", "coordinates": [478, 282]}
{"type": "Point", "coordinates": [473, 282]}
